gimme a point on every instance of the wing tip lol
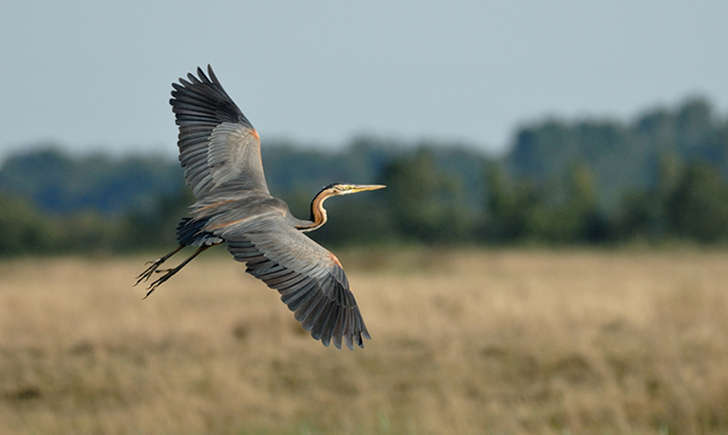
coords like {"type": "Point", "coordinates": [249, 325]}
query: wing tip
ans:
{"type": "Point", "coordinates": [200, 78]}
{"type": "Point", "coordinates": [351, 340]}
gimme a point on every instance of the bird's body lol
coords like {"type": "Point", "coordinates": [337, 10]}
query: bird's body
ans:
{"type": "Point", "coordinates": [219, 151]}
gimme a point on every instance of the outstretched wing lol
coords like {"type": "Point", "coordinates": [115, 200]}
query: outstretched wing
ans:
{"type": "Point", "coordinates": [218, 147]}
{"type": "Point", "coordinates": [309, 278]}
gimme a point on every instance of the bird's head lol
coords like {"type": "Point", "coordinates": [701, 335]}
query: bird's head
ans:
{"type": "Point", "coordinates": [336, 189]}
{"type": "Point", "coordinates": [318, 212]}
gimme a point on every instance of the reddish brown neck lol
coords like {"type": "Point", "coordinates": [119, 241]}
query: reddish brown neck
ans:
{"type": "Point", "coordinates": [318, 212]}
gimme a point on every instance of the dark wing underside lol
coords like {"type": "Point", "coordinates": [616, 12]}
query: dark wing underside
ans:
{"type": "Point", "coordinates": [219, 149]}
{"type": "Point", "coordinates": [309, 278]}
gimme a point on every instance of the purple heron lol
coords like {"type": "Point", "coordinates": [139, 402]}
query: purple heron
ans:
{"type": "Point", "coordinates": [219, 151]}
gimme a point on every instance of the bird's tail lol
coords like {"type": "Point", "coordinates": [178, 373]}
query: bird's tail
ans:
{"type": "Point", "coordinates": [190, 233]}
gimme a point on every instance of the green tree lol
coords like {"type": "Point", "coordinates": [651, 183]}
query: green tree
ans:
{"type": "Point", "coordinates": [426, 203]}
{"type": "Point", "coordinates": [508, 206]}
{"type": "Point", "coordinates": [698, 207]}
{"type": "Point", "coordinates": [24, 229]}
{"type": "Point", "coordinates": [643, 214]}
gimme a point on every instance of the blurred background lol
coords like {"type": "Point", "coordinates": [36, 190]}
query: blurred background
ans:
{"type": "Point", "coordinates": [557, 209]}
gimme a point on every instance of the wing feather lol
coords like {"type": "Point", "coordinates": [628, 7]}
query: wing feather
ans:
{"type": "Point", "coordinates": [309, 281]}
{"type": "Point", "coordinates": [217, 144]}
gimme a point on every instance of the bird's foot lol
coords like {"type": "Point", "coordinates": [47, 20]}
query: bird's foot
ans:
{"type": "Point", "coordinates": [147, 273]}
{"type": "Point", "coordinates": [161, 280]}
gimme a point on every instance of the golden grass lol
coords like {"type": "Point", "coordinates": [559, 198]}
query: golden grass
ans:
{"type": "Point", "coordinates": [463, 342]}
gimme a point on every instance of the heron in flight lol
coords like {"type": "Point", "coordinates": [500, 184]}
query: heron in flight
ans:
{"type": "Point", "coordinates": [219, 151]}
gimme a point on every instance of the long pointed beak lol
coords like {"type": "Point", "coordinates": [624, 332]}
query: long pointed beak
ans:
{"type": "Point", "coordinates": [364, 187]}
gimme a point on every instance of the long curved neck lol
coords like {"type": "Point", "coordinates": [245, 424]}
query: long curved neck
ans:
{"type": "Point", "coordinates": [318, 212]}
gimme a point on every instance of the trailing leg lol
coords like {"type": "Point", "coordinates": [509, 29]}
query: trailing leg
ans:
{"type": "Point", "coordinates": [144, 276]}
{"type": "Point", "coordinates": [169, 273]}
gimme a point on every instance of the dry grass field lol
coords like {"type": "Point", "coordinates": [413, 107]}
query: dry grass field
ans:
{"type": "Point", "coordinates": [502, 342]}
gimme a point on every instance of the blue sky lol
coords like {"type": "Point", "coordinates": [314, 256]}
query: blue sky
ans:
{"type": "Point", "coordinates": [95, 75]}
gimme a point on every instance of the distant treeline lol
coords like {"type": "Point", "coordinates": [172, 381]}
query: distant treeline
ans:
{"type": "Point", "coordinates": [661, 176]}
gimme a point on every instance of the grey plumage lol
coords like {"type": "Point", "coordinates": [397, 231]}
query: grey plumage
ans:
{"type": "Point", "coordinates": [219, 151]}
{"type": "Point", "coordinates": [309, 281]}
